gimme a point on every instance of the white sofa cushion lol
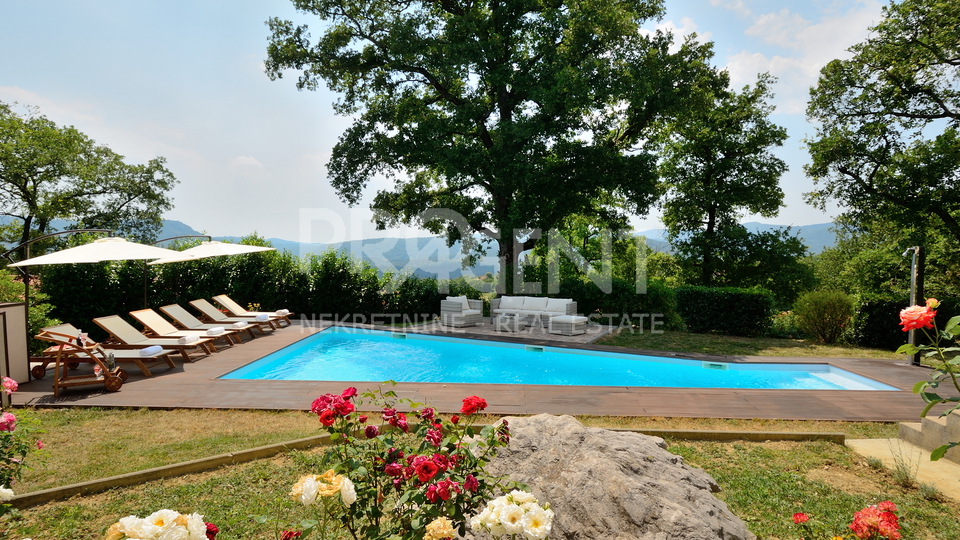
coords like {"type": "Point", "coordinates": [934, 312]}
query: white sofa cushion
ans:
{"type": "Point", "coordinates": [557, 305]}
{"type": "Point", "coordinates": [461, 299]}
{"type": "Point", "coordinates": [472, 312]}
{"type": "Point", "coordinates": [511, 302]}
{"type": "Point", "coordinates": [532, 303]}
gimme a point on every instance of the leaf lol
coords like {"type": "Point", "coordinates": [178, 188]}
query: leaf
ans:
{"type": "Point", "coordinates": [939, 452]}
{"type": "Point", "coordinates": [917, 388]}
{"type": "Point", "coordinates": [951, 324]}
{"type": "Point", "coordinates": [908, 348]}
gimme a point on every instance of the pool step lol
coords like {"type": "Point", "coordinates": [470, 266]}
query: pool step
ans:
{"type": "Point", "coordinates": [932, 432]}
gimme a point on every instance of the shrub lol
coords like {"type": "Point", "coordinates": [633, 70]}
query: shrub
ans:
{"type": "Point", "coordinates": [785, 325]}
{"type": "Point", "coordinates": [727, 310]}
{"type": "Point", "coordinates": [824, 315]}
{"type": "Point", "coordinates": [623, 302]}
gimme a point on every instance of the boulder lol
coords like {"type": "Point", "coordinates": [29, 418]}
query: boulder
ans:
{"type": "Point", "coordinates": [613, 485]}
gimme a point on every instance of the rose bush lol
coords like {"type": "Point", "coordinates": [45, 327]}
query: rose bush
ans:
{"type": "Point", "coordinates": [874, 522]}
{"type": "Point", "coordinates": [399, 475]}
{"type": "Point", "coordinates": [944, 360]}
{"type": "Point", "coordinates": [18, 439]}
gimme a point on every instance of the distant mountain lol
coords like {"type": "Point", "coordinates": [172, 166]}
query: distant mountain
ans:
{"type": "Point", "coordinates": [816, 237]}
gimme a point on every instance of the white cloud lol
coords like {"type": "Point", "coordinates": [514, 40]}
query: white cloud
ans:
{"type": "Point", "coordinates": [246, 162]}
{"type": "Point", "coordinates": [807, 47]}
{"type": "Point", "coordinates": [736, 6]}
{"type": "Point", "coordinates": [686, 27]}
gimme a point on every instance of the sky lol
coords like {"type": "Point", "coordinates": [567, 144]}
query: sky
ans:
{"type": "Point", "coordinates": [183, 79]}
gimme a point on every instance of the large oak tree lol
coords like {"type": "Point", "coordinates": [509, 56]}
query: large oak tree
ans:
{"type": "Point", "coordinates": [887, 144]}
{"type": "Point", "coordinates": [50, 172]}
{"type": "Point", "coordinates": [512, 113]}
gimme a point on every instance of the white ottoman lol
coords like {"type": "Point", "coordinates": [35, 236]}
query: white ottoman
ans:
{"type": "Point", "coordinates": [567, 325]}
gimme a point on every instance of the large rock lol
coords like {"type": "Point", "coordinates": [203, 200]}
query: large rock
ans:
{"type": "Point", "coordinates": [613, 485]}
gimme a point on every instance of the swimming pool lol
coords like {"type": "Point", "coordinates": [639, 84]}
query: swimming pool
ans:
{"type": "Point", "coordinates": [354, 354]}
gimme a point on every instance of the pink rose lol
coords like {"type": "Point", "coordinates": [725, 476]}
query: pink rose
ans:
{"type": "Point", "coordinates": [8, 422]}
{"type": "Point", "coordinates": [371, 431]}
{"type": "Point", "coordinates": [349, 393]}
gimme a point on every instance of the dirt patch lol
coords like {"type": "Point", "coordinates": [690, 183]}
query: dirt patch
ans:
{"type": "Point", "coordinates": [844, 480]}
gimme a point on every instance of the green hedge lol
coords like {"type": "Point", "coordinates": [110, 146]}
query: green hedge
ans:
{"type": "Point", "coordinates": [623, 301]}
{"type": "Point", "coordinates": [726, 310]}
{"type": "Point", "coordinates": [876, 322]}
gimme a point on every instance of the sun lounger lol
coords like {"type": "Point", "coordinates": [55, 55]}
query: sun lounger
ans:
{"type": "Point", "coordinates": [237, 310]}
{"type": "Point", "coordinates": [212, 314]}
{"type": "Point", "coordinates": [157, 326]}
{"type": "Point", "coordinates": [187, 321]}
{"type": "Point", "coordinates": [66, 334]}
{"type": "Point", "coordinates": [125, 336]}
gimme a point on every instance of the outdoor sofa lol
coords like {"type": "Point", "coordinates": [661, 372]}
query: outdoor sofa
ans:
{"type": "Point", "coordinates": [460, 311]}
{"type": "Point", "coordinates": [532, 308]}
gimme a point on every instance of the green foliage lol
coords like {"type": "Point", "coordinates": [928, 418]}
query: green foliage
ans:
{"type": "Point", "coordinates": [623, 305]}
{"type": "Point", "coordinates": [824, 315]}
{"type": "Point", "coordinates": [50, 172]}
{"type": "Point", "coordinates": [716, 165]}
{"type": "Point", "coordinates": [876, 322]}
{"type": "Point", "coordinates": [727, 310]}
{"type": "Point", "coordinates": [785, 325]}
{"type": "Point", "coordinates": [12, 291]}
{"type": "Point", "coordinates": [500, 113]}
{"type": "Point", "coordinates": [772, 260]}
{"type": "Point", "coordinates": [887, 144]}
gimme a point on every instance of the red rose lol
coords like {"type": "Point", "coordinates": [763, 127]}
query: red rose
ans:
{"type": "Point", "coordinates": [454, 419]}
{"type": "Point", "coordinates": [327, 417]}
{"type": "Point", "coordinates": [800, 517]}
{"type": "Point", "coordinates": [290, 535]}
{"type": "Point", "coordinates": [362, 418]}
{"type": "Point", "coordinates": [916, 317]}
{"type": "Point", "coordinates": [371, 431]}
{"type": "Point", "coordinates": [349, 393]}
{"type": "Point", "coordinates": [427, 413]}
{"type": "Point", "coordinates": [473, 404]}
{"type": "Point", "coordinates": [343, 408]}
{"type": "Point", "coordinates": [212, 531]}
{"type": "Point", "coordinates": [470, 483]}
{"type": "Point", "coordinates": [426, 471]}
{"type": "Point", "coordinates": [394, 469]}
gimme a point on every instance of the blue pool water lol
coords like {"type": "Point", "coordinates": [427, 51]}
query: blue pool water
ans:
{"type": "Point", "coordinates": [352, 354]}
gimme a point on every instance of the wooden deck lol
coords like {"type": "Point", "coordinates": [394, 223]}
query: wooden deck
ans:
{"type": "Point", "coordinates": [196, 385]}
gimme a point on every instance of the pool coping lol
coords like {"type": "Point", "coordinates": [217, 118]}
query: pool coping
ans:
{"type": "Point", "coordinates": [195, 385]}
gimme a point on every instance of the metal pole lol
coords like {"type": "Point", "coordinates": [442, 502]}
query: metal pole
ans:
{"type": "Point", "coordinates": [911, 335]}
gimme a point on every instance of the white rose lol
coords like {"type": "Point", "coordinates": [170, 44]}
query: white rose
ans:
{"type": "Point", "coordinates": [511, 517]}
{"type": "Point", "coordinates": [197, 527]}
{"type": "Point", "coordinates": [520, 497]}
{"type": "Point", "coordinates": [537, 523]}
{"type": "Point", "coordinates": [310, 489]}
{"type": "Point", "coordinates": [6, 494]}
{"type": "Point", "coordinates": [348, 493]}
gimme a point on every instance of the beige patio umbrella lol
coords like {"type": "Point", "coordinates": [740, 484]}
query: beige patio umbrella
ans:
{"type": "Point", "coordinates": [211, 249]}
{"type": "Point", "coordinates": [103, 249]}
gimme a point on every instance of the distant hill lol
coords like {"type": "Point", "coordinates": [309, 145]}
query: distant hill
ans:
{"type": "Point", "coordinates": [816, 237]}
{"type": "Point", "coordinates": [429, 256]}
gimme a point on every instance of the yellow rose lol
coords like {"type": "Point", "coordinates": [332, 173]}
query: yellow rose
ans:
{"type": "Point", "coordinates": [329, 484]}
{"type": "Point", "coordinates": [439, 528]}
{"type": "Point", "coordinates": [113, 533]}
